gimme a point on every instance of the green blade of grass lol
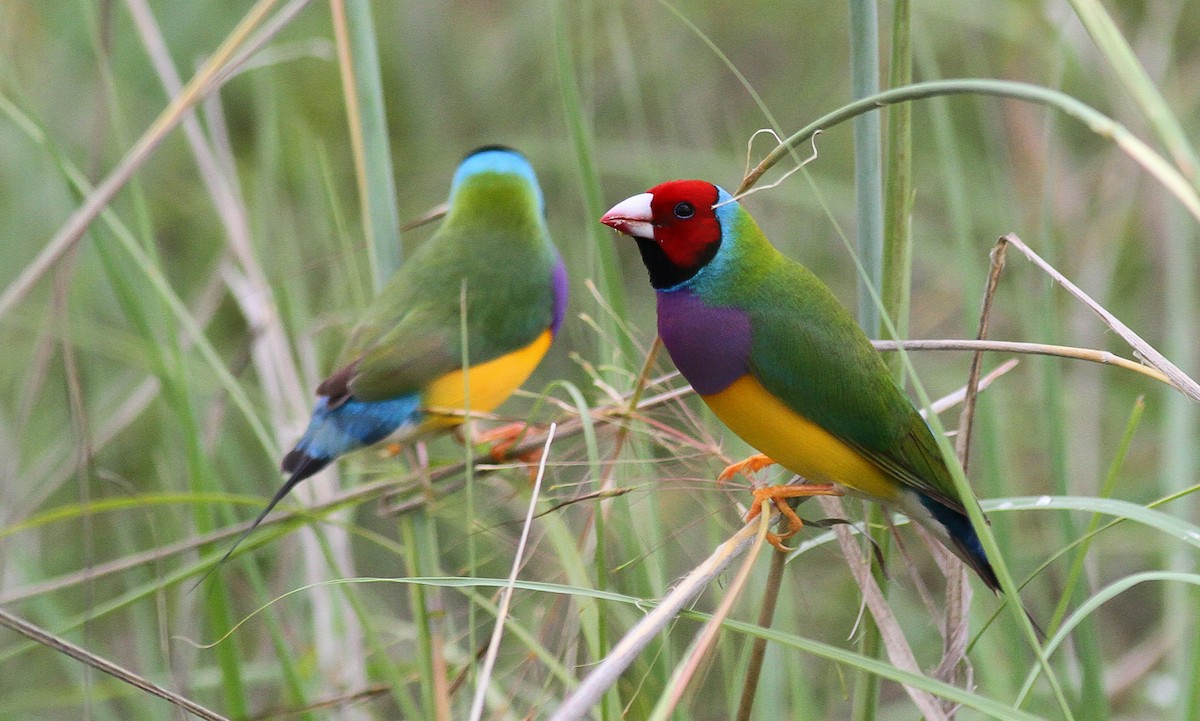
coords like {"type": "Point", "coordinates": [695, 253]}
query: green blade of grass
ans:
{"type": "Point", "coordinates": [358, 58]}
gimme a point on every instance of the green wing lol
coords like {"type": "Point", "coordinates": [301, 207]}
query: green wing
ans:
{"type": "Point", "coordinates": [809, 352]}
{"type": "Point", "coordinates": [412, 333]}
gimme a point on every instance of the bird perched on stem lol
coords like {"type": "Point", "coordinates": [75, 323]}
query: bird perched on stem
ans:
{"type": "Point", "coordinates": [781, 362]}
{"type": "Point", "coordinates": [401, 374]}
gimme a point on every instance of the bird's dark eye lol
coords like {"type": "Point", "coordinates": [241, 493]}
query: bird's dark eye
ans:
{"type": "Point", "coordinates": [684, 210]}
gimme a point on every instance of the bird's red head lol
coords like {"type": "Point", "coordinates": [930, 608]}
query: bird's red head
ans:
{"type": "Point", "coordinates": [675, 226]}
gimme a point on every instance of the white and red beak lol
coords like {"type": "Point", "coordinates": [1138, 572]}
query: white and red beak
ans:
{"type": "Point", "coordinates": [632, 216]}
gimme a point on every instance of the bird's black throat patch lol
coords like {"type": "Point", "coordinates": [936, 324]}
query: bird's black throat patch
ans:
{"type": "Point", "coordinates": [665, 273]}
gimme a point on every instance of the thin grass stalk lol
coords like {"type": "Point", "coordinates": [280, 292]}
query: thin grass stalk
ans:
{"type": "Point", "coordinates": [412, 539]}
{"type": "Point", "coordinates": [493, 646]}
{"type": "Point", "coordinates": [952, 192]}
{"type": "Point", "coordinates": [217, 610]}
{"type": "Point", "coordinates": [602, 265]}
{"type": "Point", "coordinates": [652, 574]}
{"type": "Point", "coordinates": [99, 663]}
{"type": "Point", "coordinates": [1179, 457]}
{"type": "Point", "coordinates": [758, 647]}
{"type": "Point", "coordinates": [601, 516]}
{"type": "Point", "coordinates": [137, 311]}
{"type": "Point", "coordinates": [896, 271]}
{"type": "Point", "coordinates": [169, 363]}
{"type": "Point", "coordinates": [870, 244]}
{"type": "Point", "coordinates": [80, 431]}
{"type": "Point", "coordinates": [1050, 323]}
{"type": "Point", "coordinates": [591, 548]}
{"type": "Point", "coordinates": [1075, 575]}
{"type": "Point", "coordinates": [362, 85]}
{"type": "Point", "coordinates": [1098, 599]}
{"type": "Point", "coordinates": [868, 149]}
{"type": "Point", "coordinates": [337, 634]}
{"type": "Point", "coordinates": [958, 590]}
{"type": "Point", "coordinates": [146, 262]}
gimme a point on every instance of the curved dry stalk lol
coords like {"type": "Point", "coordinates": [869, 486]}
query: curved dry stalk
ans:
{"type": "Point", "coordinates": [1176, 377]}
{"type": "Point", "coordinates": [1096, 122]}
{"type": "Point", "coordinates": [57, 643]}
{"type": "Point", "coordinates": [1007, 346]}
{"type": "Point", "coordinates": [203, 83]}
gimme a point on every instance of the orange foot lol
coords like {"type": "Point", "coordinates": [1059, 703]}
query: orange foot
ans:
{"type": "Point", "coordinates": [504, 438]}
{"type": "Point", "coordinates": [778, 495]}
{"type": "Point", "coordinates": [756, 462]}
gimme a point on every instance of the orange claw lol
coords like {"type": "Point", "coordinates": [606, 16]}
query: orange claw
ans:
{"type": "Point", "coordinates": [504, 438]}
{"type": "Point", "coordinates": [777, 494]}
{"type": "Point", "coordinates": [756, 462]}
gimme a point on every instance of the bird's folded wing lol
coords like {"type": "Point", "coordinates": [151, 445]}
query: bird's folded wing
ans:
{"type": "Point", "coordinates": [808, 351]}
{"type": "Point", "coordinates": [420, 347]}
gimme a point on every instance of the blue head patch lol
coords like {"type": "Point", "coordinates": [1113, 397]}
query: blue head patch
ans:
{"type": "Point", "coordinates": [497, 159]}
{"type": "Point", "coordinates": [726, 210]}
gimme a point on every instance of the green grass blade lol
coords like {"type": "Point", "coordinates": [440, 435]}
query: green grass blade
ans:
{"type": "Point", "coordinates": [363, 87]}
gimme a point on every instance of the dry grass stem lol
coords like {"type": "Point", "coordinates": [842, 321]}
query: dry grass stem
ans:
{"type": "Point", "coordinates": [493, 647]}
{"type": "Point", "coordinates": [1005, 346]}
{"type": "Point", "coordinates": [65, 647]}
{"type": "Point", "coordinates": [686, 670]}
{"type": "Point", "coordinates": [578, 703]}
{"type": "Point", "coordinates": [898, 651]}
{"type": "Point", "coordinates": [1176, 377]}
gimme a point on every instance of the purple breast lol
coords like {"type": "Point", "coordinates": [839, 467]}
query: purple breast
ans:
{"type": "Point", "coordinates": [560, 296]}
{"type": "Point", "coordinates": [709, 345]}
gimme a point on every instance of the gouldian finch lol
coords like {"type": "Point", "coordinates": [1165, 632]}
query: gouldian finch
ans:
{"type": "Point", "coordinates": [781, 362]}
{"type": "Point", "coordinates": [400, 373]}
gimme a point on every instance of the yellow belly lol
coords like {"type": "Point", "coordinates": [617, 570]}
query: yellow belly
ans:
{"type": "Point", "coordinates": [795, 442]}
{"type": "Point", "coordinates": [490, 383]}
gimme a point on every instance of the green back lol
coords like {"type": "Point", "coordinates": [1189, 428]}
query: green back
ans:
{"type": "Point", "coordinates": [493, 242]}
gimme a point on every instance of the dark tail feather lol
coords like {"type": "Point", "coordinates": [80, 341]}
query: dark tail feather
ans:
{"type": "Point", "coordinates": [970, 550]}
{"type": "Point", "coordinates": [978, 562]}
{"type": "Point", "coordinates": [966, 542]}
{"type": "Point", "coordinates": [300, 466]}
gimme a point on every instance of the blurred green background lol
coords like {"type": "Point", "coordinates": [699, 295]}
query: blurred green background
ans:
{"type": "Point", "coordinates": [108, 399]}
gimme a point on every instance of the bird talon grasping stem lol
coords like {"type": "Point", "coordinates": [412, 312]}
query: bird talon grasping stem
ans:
{"type": "Point", "coordinates": [779, 495]}
{"type": "Point", "coordinates": [746, 466]}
